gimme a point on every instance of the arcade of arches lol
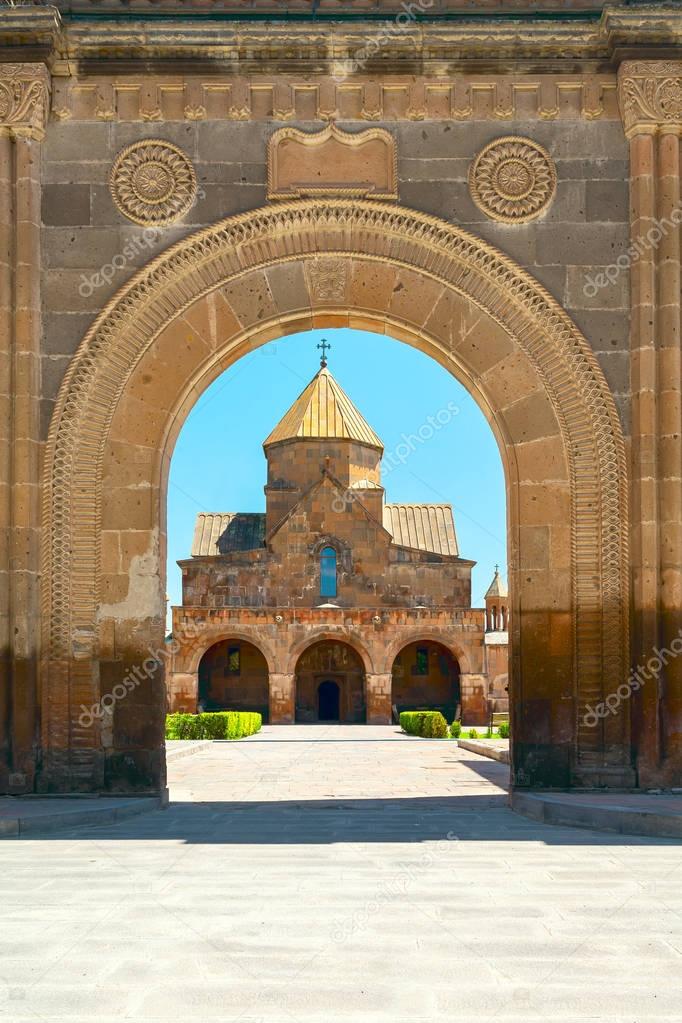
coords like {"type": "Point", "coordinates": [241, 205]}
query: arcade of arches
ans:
{"type": "Point", "coordinates": [506, 286]}
{"type": "Point", "coordinates": [329, 682]}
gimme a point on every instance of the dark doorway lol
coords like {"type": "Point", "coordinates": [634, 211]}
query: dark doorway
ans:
{"type": "Point", "coordinates": [328, 701]}
{"type": "Point", "coordinates": [324, 664]}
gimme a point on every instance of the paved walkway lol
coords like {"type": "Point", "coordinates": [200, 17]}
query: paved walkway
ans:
{"type": "Point", "coordinates": [314, 874]}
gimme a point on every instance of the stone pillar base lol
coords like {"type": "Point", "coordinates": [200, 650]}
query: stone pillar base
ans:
{"type": "Point", "coordinates": [282, 699]}
{"type": "Point", "coordinates": [378, 696]}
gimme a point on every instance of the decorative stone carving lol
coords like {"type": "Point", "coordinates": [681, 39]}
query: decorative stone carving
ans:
{"type": "Point", "coordinates": [24, 98]}
{"type": "Point", "coordinates": [272, 98]}
{"type": "Point", "coordinates": [153, 182]}
{"type": "Point", "coordinates": [332, 162]}
{"type": "Point", "coordinates": [512, 180]}
{"type": "Point", "coordinates": [327, 280]}
{"type": "Point", "coordinates": [650, 94]}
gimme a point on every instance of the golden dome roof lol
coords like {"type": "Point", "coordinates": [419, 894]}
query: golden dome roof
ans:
{"type": "Point", "coordinates": [323, 410]}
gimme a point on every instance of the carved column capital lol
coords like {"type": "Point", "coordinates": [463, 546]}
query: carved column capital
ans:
{"type": "Point", "coordinates": [24, 100]}
{"type": "Point", "coordinates": [650, 96]}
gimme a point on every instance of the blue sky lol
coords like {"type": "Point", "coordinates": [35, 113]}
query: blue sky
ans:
{"type": "Point", "coordinates": [218, 462]}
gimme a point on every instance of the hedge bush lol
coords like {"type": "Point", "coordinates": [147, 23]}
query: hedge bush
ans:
{"type": "Point", "coordinates": [223, 724]}
{"type": "Point", "coordinates": [428, 724]}
{"type": "Point", "coordinates": [503, 729]}
{"type": "Point", "coordinates": [456, 729]}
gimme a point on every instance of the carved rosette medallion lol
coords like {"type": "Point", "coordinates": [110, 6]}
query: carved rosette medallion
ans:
{"type": "Point", "coordinates": [153, 182]}
{"type": "Point", "coordinates": [512, 180]}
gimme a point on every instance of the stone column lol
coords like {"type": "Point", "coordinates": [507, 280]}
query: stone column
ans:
{"type": "Point", "coordinates": [651, 105]}
{"type": "Point", "coordinates": [282, 698]}
{"type": "Point", "coordinates": [24, 104]}
{"type": "Point", "coordinates": [378, 698]}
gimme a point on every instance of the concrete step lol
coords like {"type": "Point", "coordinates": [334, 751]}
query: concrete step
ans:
{"type": "Point", "coordinates": [32, 815]}
{"type": "Point", "coordinates": [627, 813]}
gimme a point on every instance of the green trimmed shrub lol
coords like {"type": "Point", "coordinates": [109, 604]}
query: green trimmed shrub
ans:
{"type": "Point", "coordinates": [223, 724]}
{"type": "Point", "coordinates": [472, 734]}
{"type": "Point", "coordinates": [456, 729]}
{"type": "Point", "coordinates": [503, 730]}
{"type": "Point", "coordinates": [428, 724]}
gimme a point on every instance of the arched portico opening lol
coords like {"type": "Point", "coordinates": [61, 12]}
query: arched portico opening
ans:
{"type": "Point", "coordinates": [330, 684]}
{"type": "Point", "coordinates": [233, 675]}
{"type": "Point", "coordinates": [426, 676]}
{"type": "Point", "coordinates": [214, 296]}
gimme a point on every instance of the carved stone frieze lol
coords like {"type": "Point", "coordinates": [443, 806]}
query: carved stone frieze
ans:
{"type": "Point", "coordinates": [332, 162]}
{"type": "Point", "coordinates": [512, 180]}
{"type": "Point", "coordinates": [650, 95]}
{"type": "Point", "coordinates": [153, 182]}
{"type": "Point", "coordinates": [24, 99]}
{"type": "Point", "coordinates": [284, 98]}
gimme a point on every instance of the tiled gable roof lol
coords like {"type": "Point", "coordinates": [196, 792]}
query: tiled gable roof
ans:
{"type": "Point", "coordinates": [426, 527]}
{"type": "Point", "coordinates": [223, 532]}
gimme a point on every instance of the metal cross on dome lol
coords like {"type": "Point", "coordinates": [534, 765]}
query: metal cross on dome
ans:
{"type": "Point", "coordinates": [325, 346]}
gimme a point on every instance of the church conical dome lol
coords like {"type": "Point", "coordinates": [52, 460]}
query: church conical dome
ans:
{"type": "Point", "coordinates": [498, 587]}
{"type": "Point", "coordinates": [324, 410]}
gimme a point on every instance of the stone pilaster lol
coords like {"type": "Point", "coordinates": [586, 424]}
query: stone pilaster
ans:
{"type": "Point", "coordinates": [182, 692]}
{"type": "Point", "coordinates": [473, 687]}
{"type": "Point", "coordinates": [6, 330]}
{"type": "Point", "coordinates": [651, 105]}
{"type": "Point", "coordinates": [282, 698]}
{"type": "Point", "coordinates": [378, 698]}
{"type": "Point", "coordinates": [24, 90]}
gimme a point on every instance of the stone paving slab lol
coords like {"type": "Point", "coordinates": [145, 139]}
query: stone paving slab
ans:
{"type": "Point", "coordinates": [345, 878]}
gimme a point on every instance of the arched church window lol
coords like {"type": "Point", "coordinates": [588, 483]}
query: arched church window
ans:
{"type": "Point", "coordinates": [328, 572]}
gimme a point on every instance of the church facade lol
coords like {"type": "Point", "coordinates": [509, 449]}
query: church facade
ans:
{"type": "Point", "coordinates": [334, 605]}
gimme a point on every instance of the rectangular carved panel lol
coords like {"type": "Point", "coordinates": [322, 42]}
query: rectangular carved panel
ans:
{"type": "Point", "coordinates": [332, 162]}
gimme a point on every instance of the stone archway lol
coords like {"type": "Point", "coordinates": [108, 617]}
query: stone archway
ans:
{"type": "Point", "coordinates": [329, 664]}
{"type": "Point", "coordinates": [425, 675]}
{"type": "Point", "coordinates": [220, 293]}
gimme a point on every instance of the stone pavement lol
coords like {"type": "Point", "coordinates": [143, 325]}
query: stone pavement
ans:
{"type": "Point", "coordinates": [331, 873]}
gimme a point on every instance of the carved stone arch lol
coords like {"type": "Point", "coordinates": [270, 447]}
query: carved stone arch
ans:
{"type": "Point", "coordinates": [322, 635]}
{"type": "Point", "coordinates": [392, 650]}
{"type": "Point", "coordinates": [293, 266]}
{"type": "Point", "coordinates": [211, 638]}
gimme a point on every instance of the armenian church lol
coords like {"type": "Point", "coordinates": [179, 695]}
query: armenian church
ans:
{"type": "Point", "coordinates": [334, 604]}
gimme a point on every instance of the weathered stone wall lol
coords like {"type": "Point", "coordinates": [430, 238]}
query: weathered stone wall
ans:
{"type": "Point", "coordinates": [377, 635]}
{"type": "Point", "coordinates": [371, 570]}
{"type": "Point", "coordinates": [86, 239]}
